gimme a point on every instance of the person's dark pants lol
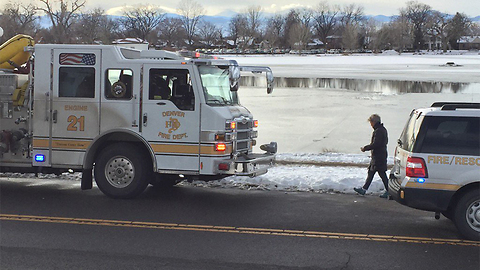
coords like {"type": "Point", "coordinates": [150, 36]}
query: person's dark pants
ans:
{"type": "Point", "coordinates": [371, 173]}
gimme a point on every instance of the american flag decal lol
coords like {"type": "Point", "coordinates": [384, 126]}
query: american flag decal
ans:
{"type": "Point", "coordinates": [77, 59]}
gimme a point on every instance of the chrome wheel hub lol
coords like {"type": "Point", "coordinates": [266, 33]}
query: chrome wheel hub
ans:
{"type": "Point", "coordinates": [119, 172]}
{"type": "Point", "coordinates": [473, 215]}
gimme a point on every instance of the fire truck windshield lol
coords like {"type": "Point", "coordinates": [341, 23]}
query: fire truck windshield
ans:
{"type": "Point", "coordinates": [216, 86]}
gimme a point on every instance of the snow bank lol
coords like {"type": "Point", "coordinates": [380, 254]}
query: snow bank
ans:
{"type": "Point", "coordinates": [301, 178]}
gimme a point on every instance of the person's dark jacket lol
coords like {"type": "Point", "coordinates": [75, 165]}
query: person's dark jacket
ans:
{"type": "Point", "coordinates": [378, 146]}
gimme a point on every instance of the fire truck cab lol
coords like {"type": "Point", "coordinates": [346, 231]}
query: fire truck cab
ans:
{"type": "Point", "coordinates": [129, 118]}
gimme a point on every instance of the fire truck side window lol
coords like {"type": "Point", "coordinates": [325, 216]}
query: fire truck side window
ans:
{"type": "Point", "coordinates": [77, 82]}
{"type": "Point", "coordinates": [118, 84]}
{"type": "Point", "coordinates": [174, 85]}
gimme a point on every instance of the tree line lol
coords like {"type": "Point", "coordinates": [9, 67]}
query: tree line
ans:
{"type": "Point", "coordinates": [343, 27]}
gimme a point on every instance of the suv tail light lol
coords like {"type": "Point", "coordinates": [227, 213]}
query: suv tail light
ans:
{"type": "Point", "coordinates": [416, 167]}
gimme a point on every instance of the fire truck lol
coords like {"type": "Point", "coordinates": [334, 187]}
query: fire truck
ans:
{"type": "Point", "coordinates": [126, 118]}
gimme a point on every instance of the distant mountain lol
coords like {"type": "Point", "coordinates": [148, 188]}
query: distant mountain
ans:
{"type": "Point", "coordinates": [227, 13]}
{"type": "Point", "coordinates": [381, 18]}
{"type": "Point", "coordinates": [220, 21]}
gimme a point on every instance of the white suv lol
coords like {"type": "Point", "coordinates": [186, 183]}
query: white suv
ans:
{"type": "Point", "coordinates": [437, 164]}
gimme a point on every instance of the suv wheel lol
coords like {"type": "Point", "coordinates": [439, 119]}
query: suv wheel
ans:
{"type": "Point", "coordinates": [467, 215]}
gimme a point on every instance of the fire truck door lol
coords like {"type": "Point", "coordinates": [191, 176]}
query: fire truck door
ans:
{"type": "Point", "coordinates": [74, 104]}
{"type": "Point", "coordinates": [171, 118]}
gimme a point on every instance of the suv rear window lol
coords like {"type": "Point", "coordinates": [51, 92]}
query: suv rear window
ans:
{"type": "Point", "coordinates": [450, 135]}
{"type": "Point", "coordinates": [409, 134]}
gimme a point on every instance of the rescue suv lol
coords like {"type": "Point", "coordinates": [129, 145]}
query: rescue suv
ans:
{"type": "Point", "coordinates": [127, 117]}
{"type": "Point", "coordinates": [437, 164]}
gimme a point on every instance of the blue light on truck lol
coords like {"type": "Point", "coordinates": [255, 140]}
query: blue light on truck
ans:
{"type": "Point", "coordinates": [421, 180]}
{"type": "Point", "coordinates": [40, 158]}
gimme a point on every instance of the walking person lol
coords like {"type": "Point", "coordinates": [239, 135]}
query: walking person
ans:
{"type": "Point", "coordinates": [378, 162]}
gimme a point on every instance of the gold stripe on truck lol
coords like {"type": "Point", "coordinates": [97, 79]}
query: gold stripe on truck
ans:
{"type": "Point", "coordinates": [432, 186]}
{"type": "Point", "coordinates": [61, 144]}
{"type": "Point", "coordinates": [157, 148]}
{"type": "Point", "coordinates": [189, 149]}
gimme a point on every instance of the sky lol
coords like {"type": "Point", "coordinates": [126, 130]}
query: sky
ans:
{"type": "Point", "coordinates": [372, 7]}
{"type": "Point", "coordinates": [215, 7]}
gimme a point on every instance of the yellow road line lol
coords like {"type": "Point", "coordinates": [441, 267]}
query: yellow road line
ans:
{"type": "Point", "coordinates": [242, 230]}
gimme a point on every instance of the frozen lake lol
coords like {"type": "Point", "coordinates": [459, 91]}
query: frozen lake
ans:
{"type": "Point", "coordinates": [314, 115]}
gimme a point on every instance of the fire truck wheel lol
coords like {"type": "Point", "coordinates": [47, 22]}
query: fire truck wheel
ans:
{"type": "Point", "coordinates": [164, 181]}
{"type": "Point", "coordinates": [467, 215]}
{"type": "Point", "coordinates": [122, 171]}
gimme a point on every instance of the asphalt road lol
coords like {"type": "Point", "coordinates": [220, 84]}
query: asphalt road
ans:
{"type": "Point", "coordinates": [55, 225]}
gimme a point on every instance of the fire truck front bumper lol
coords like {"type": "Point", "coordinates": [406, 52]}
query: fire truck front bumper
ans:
{"type": "Point", "coordinates": [248, 164]}
{"type": "Point", "coordinates": [254, 164]}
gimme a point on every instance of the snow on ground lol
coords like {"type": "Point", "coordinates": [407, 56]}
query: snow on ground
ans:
{"type": "Point", "coordinates": [327, 172]}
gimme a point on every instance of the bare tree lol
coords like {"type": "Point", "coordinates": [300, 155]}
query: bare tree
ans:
{"type": "Point", "coordinates": [191, 13]}
{"type": "Point", "coordinates": [437, 28]}
{"type": "Point", "coordinates": [62, 15]}
{"type": "Point", "coordinates": [459, 26]}
{"type": "Point", "coordinates": [171, 31]}
{"type": "Point", "coordinates": [299, 21]}
{"type": "Point", "coordinates": [141, 20]}
{"type": "Point", "coordinates": [246, 26]}
{"type": "Point", "coordinates": [418, 15]}
{"type": "Point", "coordinates": [17, 18]}
{"type": "Point", "coordinates": [94, 26]}
{"type": "Point", "coordinates": [300, 36]}
{"type": "Point", "coordinates": [209, 33]}
{"type": "Point", "coordinates": [350, 37]}
{"type": "Point", "coordinates": [368, 31]}
{"type": "Point", "coordinates": [237, 28]}
{"type": "Point", "coordinates": [325, 20]}
{"type": "Point", "coordinates": [352, 14]}
{"type": "Point", "coordinates": [254, 20]}
{"type": "Point", "coordinates": [291, 20]}
{"type": "Point", "coordinates": [402, 34]}
{"type": "Point", "coordinates": [275, 30]}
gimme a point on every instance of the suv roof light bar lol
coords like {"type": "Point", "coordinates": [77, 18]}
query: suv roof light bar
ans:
{"type": "Point", "coordinates": [450, 106]}
{"type": "Point", "coordinates": [453, 107]}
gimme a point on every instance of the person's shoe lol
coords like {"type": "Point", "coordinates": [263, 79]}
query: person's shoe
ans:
{"type": "Point", "coordinates": [385, 195]}
{"type": "Point", "coordinates": [360, 190]}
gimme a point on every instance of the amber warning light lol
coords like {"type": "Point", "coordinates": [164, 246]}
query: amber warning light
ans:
{"type": "Point", "coordinates": [255, 123]}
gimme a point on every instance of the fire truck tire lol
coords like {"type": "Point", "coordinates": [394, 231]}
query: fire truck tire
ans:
{"type": "Point", "coordinates": [163, 181]}
{"type": "Point", "coordinates": [467, 215]}
{"type": "Point", "coordinates": [122, 171]}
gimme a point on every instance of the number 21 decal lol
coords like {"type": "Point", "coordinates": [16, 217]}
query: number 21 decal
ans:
{"type": "Point", "coordinates": [73, 120]}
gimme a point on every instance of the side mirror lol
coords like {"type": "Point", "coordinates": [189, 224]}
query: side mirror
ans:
{"type": "Point", "coordinates": [270, 81]}
{"type": "Point", "coordinates": [234, 77]}
{"type": "Point", "coordinates": [260, 70]}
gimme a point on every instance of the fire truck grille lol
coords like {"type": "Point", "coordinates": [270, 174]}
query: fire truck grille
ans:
{"type": "Point", "coordinates": [243, 136]}
{"type": "Point", "coordinates": [242, 146]}
{"type": "Point", "coordinates": [247, 125]}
